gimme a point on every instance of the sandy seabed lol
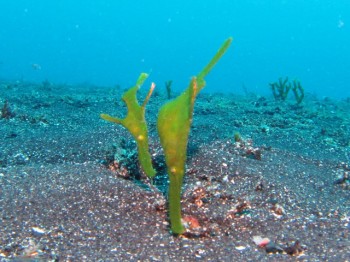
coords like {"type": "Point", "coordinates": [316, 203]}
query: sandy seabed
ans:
{"type": "Point", "coordinates": [71, 189]}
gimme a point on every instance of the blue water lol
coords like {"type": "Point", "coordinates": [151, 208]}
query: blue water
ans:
{"type": "Point", "coordinates": [110, 42]}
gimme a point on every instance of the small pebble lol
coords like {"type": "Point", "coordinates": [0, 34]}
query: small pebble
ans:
{"type": "Point", "coordinates": [38, 231]}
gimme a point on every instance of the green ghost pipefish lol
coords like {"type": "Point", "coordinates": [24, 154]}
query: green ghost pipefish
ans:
{"type": "Point", "coordinates": [136, 124]}
{"type": "Point", "coordinates": [174, 123]}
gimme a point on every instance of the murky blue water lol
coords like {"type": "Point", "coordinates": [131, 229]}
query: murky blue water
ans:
{"type": "Point", "coordinates": [109, 42]}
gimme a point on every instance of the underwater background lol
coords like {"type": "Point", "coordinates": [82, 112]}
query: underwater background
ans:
{"type": "Point", "coordinates": [244, 171]}
{"type": "Point", "coordinates": [112, 42]}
